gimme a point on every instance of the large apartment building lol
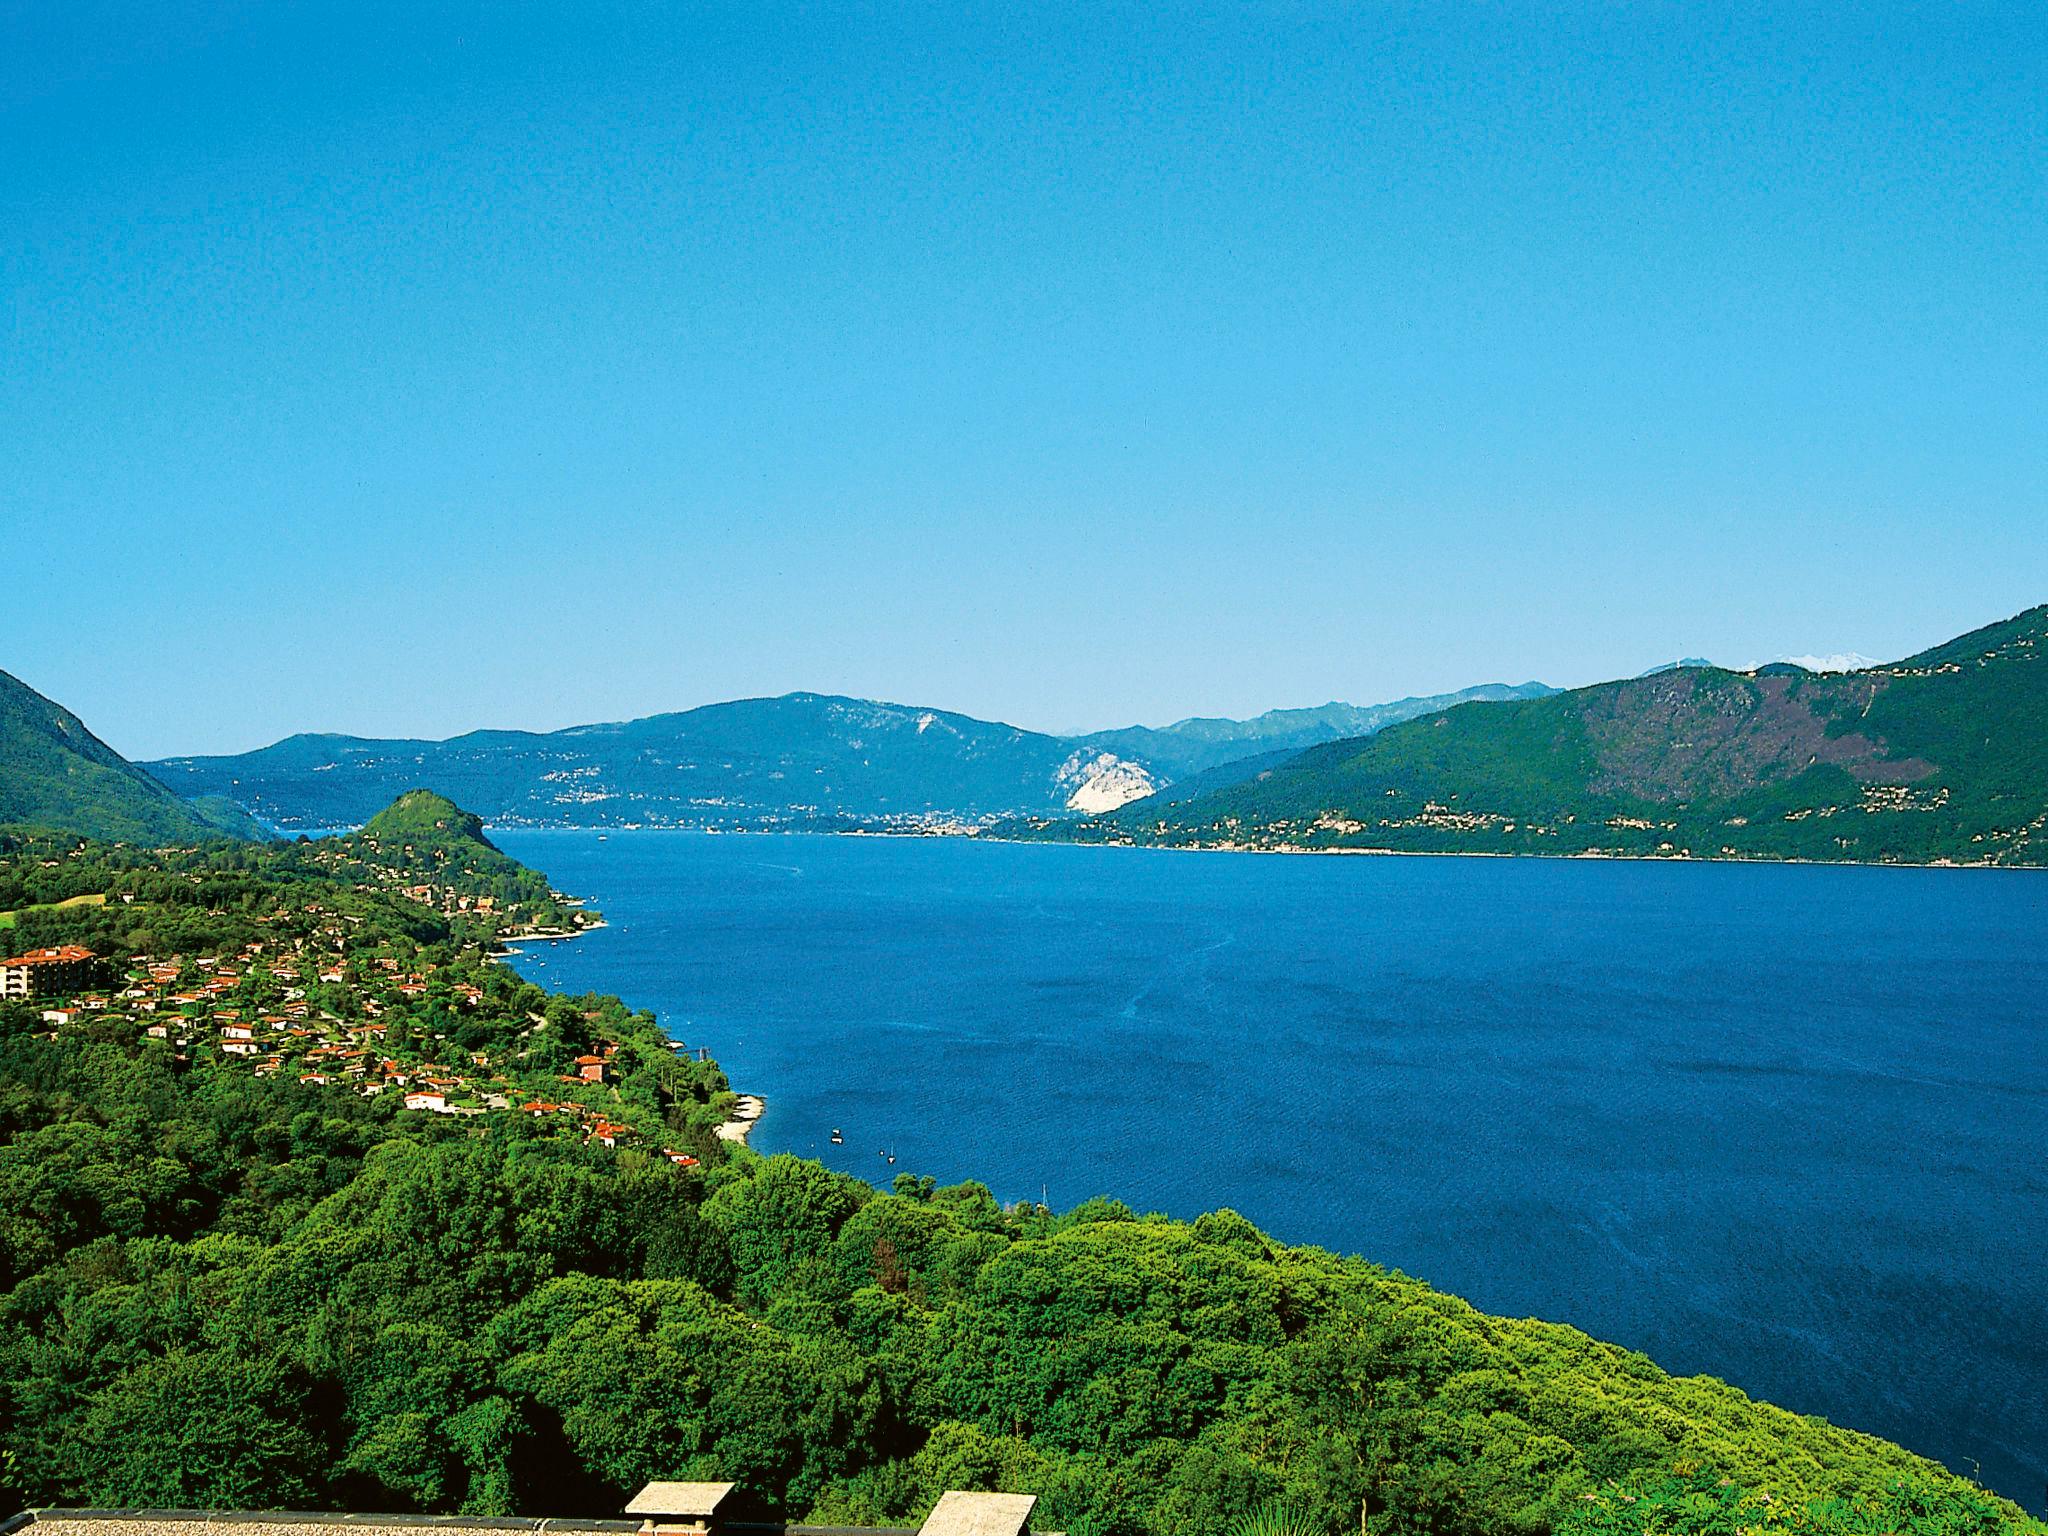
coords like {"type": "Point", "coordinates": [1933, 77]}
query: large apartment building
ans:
{"type": "Point", "coordinates": [49, 972]}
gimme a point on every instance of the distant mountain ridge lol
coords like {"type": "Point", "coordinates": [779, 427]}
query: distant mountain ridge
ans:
{"type": "Point", "coordinates": [1942, 757]}
{"type": "Point", "coordinates": [803, 759]}
{"type": "Point", "coordinates": [1839, 661]}
{"type": "Point", "coordinates": [1200, 744]}
{"type": "Point", "coordinates": [800, 760]}
{"type": "Point", "coordinates": [55, 774]}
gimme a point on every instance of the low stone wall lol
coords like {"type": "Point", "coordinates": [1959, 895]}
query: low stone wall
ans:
{"type": "Point", "coordinates": [246, 1522]}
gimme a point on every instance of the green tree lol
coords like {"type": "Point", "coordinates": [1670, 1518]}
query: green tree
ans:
{"type": "Point", "coordinates": [208, 1431]}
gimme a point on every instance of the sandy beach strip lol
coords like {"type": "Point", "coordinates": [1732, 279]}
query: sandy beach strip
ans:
{"type": "Point", "coordinates": [746, 1114]}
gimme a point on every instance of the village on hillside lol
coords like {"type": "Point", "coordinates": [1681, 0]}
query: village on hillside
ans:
{"type": "Point", "coordinates": [324, 998]}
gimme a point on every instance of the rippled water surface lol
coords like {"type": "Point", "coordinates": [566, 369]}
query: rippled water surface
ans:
{"type": "Point", "coordinates": [1787, 1125]}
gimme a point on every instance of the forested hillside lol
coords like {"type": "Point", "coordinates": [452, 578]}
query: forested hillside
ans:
{"type": "Point", "coordinates": [226, 1287]}
{"type": "Point", "coordinates": [55, 773]}
{"type": "Point", "coordinates": [1942, 757]}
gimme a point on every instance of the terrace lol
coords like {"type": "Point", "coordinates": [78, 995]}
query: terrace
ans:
{"type": "Point", "coordinates": [666, 1509]}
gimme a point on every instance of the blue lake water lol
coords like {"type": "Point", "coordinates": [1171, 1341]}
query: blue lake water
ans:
{"type": "Point", "coordinates": [1785, 1125]}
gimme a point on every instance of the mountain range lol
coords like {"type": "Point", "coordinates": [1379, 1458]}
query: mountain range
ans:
{"type": "Point", "coordinates": [1942, 757]}
{"type": "Point", "coordinates": [803, 759]}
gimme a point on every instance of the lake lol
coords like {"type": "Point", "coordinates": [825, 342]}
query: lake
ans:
{"type": "Point", "coordinates": [1786, 1125]}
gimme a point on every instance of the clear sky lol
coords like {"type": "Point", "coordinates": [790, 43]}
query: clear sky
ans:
{"type": "Point", "coordinates": [407, 369]}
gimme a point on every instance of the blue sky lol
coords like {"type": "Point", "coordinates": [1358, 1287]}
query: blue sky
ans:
{"type": "Point", "coordinates": [408, 369]}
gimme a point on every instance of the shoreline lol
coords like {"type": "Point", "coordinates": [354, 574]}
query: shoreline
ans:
{"type": "Point", "coordinates": [1382, 853]}
{"type": "Point", "coordinates": [506, 943]}
{"type": "Point", "coordinates": [746, 1111]}
{"type": "Point", "coordinates": [746, 1114]}
{"type": "Point", "coordinates": [1482, 853]}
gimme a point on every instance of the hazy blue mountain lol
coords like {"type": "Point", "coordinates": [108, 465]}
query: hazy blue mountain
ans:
{"type": "Point", "coordinates": [54, 773]}
{"type": "Point", "coordinates": [801, 759]}
{"type": "Point", "coordinates": [804, 759]}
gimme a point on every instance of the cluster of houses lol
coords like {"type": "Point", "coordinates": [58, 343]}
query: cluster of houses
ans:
{"type": "Point", "coordinates": [343, 857]}
{"type": "Point", "coordinates": [260, 1006]}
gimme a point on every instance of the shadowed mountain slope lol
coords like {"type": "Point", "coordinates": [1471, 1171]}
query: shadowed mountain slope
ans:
{"type": "Point", "coordinates": [1942, 757]}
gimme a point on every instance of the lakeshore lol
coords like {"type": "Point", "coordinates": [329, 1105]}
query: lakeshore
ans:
{"type": "Point", "coordinates": [1670, 1100]}
{"type": "Point", "coordinates": [1580, 856]}
{"type": "Point", "coordinates": [746, 1114]}
{"type": "Point", "coordinates": [992, 837]}
{"type": "Point", "coordinates": [747, 1109]}
{"type": "Point", "coordinates": [508, 943]}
